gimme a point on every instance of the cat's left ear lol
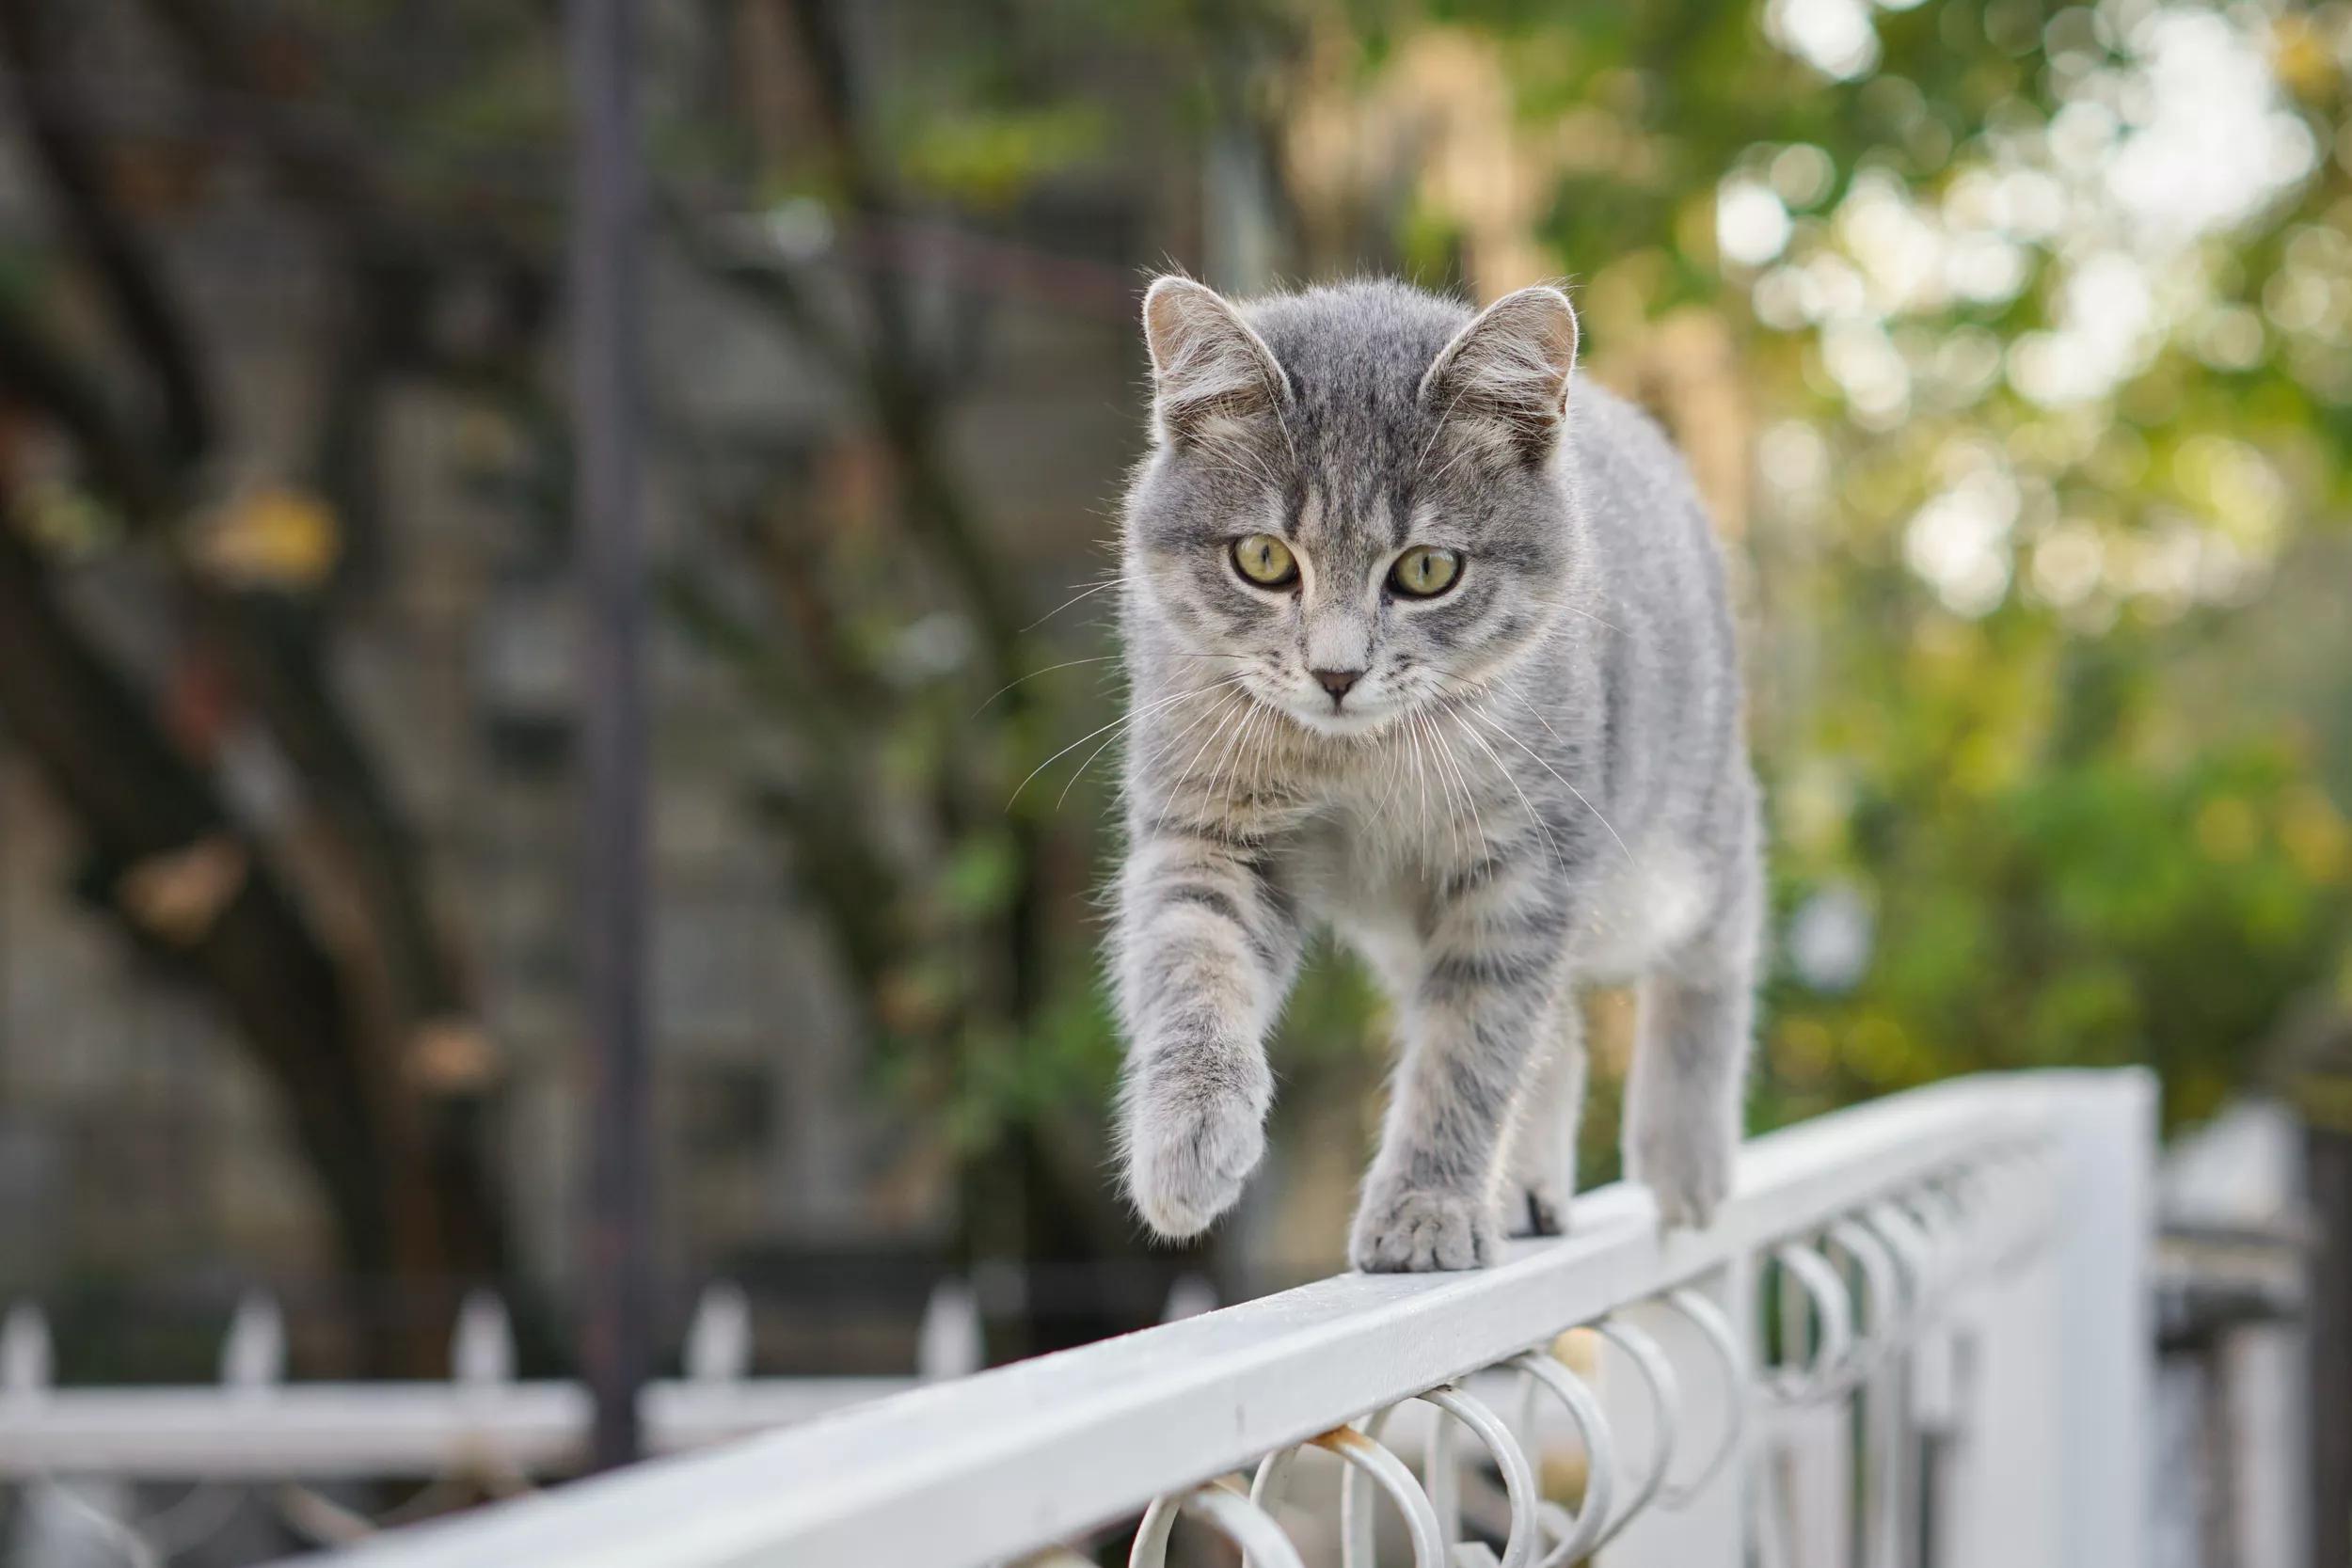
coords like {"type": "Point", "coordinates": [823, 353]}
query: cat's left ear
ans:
{"type": "Point", "coordinates": [1508, 370]}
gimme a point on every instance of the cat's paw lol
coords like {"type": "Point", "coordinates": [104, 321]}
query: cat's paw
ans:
{"type": "Point", "coordinates": [1535, 1209]}
{"type": "Point", "coordinates": [1687, 1169]}
{"type": "Point", "coordinates": [1189, 1150]}
{"type": "Point", "coordinates": [1411, 1230]}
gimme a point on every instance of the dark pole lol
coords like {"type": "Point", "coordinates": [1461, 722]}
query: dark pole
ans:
{"type": "Point", "coordinates": [2328, 1166]}
{"type": "Point", "coordinates": [2319, 1085]}
{"type": "Point", "coordinates": [608, 206]}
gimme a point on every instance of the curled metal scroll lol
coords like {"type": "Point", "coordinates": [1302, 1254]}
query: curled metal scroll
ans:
{"type": "Point", "coordinates": [1518, 1476]}
{"type": "Point", "coordinates": [1913, 1254]}
{"type": "Point", "coordinates": [1149, 1548]}
{"type": "Point", "coordinates": [1236, 1517]}
{"type": "Point", "coordinates": [1887, 1322]}
{"type": "Point", "coordinates": [1266, 1488]}
{"type": "Point", "coordinates": [1368, 1460]}
{"type": "Point", "coordinates": [1666, 1393]}
{"type": "Point", "coordinates": [1716, 1329]}
{"type": "Point", "coordinates": [1520, 1486]}
{"type": "Point", "coordinates": [1833, 1319]}
{"type": "Point", "coordinates": [1600, 1461]}
{"type": "Point", "coordinates": [1242, 1522]}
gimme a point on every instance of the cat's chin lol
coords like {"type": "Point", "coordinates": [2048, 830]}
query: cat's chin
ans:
{"type": "Point", "coordinates": [1343, 725]}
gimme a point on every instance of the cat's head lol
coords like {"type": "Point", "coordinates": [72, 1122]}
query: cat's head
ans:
{"type": "Point", "coordinates": [1353, 503]}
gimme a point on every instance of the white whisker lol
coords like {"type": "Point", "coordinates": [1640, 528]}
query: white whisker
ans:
{"type": "Point", "coordinates": [1185, 773]}
{"type": "Point", "coordinates": [1082, 593]}
{"type": "Point", "coordinates": [1548, 767]}
{"type": "Point", "coordinates": [1127, 718]}
{"type": "Point", "coordinates": [1558, 858]}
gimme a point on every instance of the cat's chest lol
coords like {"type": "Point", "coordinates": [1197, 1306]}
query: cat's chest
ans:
{"type": "Point", "coordinates": [1363, 864]}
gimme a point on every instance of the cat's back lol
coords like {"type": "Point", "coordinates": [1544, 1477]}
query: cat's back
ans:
{"type": "Point", "coordinates": [1656, 557]}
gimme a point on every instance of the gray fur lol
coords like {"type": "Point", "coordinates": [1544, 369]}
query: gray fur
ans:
{"type": "Point", "coordinates": [1538, 782]}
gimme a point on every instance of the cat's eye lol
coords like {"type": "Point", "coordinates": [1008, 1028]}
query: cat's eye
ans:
{"type": "Point", "coordinates": [1424, 572]}
{"type": "Point", "coordinates": [1265, 560]}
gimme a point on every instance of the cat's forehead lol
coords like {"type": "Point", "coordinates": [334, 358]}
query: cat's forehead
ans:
{"type": "Point", "coordinates": [1356, 352]}
{"type": "Point", "coordinates": [1346, 515]}
{"type": "Point", "coordinates": [1354, 356]}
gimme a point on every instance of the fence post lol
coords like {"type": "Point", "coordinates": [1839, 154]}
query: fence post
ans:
{"type": "Point", "coordinates": [608, 222]}
{"type": "Point", "coordinates": [2106, 1341]}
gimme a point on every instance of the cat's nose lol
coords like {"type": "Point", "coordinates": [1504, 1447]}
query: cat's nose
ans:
{"type": "Point", "coordinates": [1336, 682]}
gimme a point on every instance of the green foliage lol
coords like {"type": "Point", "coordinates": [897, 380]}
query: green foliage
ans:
{"type": "Point", "coordinates": [2006, 575]}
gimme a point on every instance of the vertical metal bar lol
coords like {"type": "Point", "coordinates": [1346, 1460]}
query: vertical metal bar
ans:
{"type": "Point", "coordinates": [608, 204]}
{"type": "Point", "coordinates": [2328, 1166]}
{"type": "Point", "coordinates": [2105, 1343]}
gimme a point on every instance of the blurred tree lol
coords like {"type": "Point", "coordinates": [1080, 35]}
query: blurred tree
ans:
{"type": "Point", "coordinates": [951, 912]}
{"type": "Point", "coordinates": [1856, 257]}
{"type": "Point", "coordinates": [315, 935]}
{"type": "Point", "coordinates": [2013, 341]}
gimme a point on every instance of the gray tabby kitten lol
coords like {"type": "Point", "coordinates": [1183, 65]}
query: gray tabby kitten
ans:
{"type": "Point", "coordinates": [1425, 648]}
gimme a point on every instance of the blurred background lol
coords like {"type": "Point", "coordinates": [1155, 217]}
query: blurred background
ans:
{"type": "Point", "coordinates": [2010, 341]}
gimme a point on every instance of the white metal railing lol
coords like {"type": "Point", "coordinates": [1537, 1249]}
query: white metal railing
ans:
{"type": "Point", "coordinates": [1958, 1273]}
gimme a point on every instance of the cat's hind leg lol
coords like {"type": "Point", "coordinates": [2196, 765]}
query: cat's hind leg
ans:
{"type": "Point", "coordinates": [1539, 1172]}
{"type": "Point", "coordinates": [1686, 1092]}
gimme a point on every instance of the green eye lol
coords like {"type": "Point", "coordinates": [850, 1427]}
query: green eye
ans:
{"type": "Point", "coordinates": [1424, 572]}
{"type": "Point", "coordinates": [1264, 561]}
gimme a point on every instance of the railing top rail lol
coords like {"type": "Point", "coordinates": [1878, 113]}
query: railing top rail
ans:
{"type": "Point", "coordinates": [991, 1466]}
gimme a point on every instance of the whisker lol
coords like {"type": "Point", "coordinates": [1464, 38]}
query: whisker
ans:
{"type": "Point", "coordinates": [1185, 773]}
{"type": "Point", "coordinates": [1559, 858]}
{"type": "Point", "coordinates": [1128, 718]}
{"type": "Point", "coordinates": [1082, 593]}
{"type": "Point", "coordinates": [1072, 663]}
{"type": "Point", "coordinates": [1578, 609]}
{"type": "Point", "coordinates": [1065, 664]}
{"type": "Point", "coordinates": [1237, 743]}
{"type": "Point", "coordinates": [1470, 796]}
{"type": "Point", "coordinates": [1555, 773]}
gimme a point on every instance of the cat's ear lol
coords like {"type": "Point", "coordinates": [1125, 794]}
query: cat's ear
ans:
{"type": "Point", "coordinates": [1507, 371]}
{"type": "Point", "coordinates": [1211, 374]}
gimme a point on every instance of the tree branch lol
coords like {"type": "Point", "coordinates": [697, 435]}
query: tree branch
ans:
{"type": "Point", "coordinates": [112, 249]}
{"type": "Point", "coordinates": [138, 799]}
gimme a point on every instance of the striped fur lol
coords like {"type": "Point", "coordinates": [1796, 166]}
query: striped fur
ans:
{"type": "Point", "coordinates": [1537, 780]}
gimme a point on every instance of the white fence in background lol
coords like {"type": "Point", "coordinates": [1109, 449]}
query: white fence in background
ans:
{"type": "Point", "coordinates": [1955, 1277]}
{"type": "Point", "coordinates": [482, 1422]}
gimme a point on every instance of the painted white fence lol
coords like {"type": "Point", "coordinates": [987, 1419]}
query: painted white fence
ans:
{"type": "Point", "coordinates": [255, 1426]}
{"type": "Point", "coordinates": [1958, 1274]}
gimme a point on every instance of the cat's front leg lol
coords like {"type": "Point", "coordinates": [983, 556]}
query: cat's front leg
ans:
{"type": "Point", "coordinates": [1487, 997]}
{"type": "Point", "coordinates": [1205, 945]}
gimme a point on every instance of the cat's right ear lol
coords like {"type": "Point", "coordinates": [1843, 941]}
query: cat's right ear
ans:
{"type": "Point", "coordinates": [1211, 374]}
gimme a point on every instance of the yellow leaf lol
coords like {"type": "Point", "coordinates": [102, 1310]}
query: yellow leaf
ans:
{"type": "Point", "coordinates": [273, 537]}
{"type": "Point", "coordinates": [178, 894]}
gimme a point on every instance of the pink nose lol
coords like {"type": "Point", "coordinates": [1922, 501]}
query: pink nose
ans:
{"type": "Point", "coordinates": [1336, 682]}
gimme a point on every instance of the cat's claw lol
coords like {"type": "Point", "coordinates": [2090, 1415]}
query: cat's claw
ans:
{"type": "Point", "coordinates": [1536, 1209]}
{"type": "Point", "coordinates": [1412, 1231]}
{"type": "Point", "coordinates": [1186, 1161]}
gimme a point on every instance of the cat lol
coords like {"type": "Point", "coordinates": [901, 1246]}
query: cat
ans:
{"type": "Point", "coordinates": [1427, 641]}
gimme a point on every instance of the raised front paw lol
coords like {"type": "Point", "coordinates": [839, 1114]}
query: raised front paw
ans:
{"type": "Point", "coordinates": [1687, 1169]}
{"type": "Point", "coordinates": [1412, 1230]}
{"type": "Point", "coordinates": [1190, 1146]}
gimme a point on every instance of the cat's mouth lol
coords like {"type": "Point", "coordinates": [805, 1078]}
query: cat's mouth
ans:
{"type": "Point", "coordinates": [1349, 719]}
